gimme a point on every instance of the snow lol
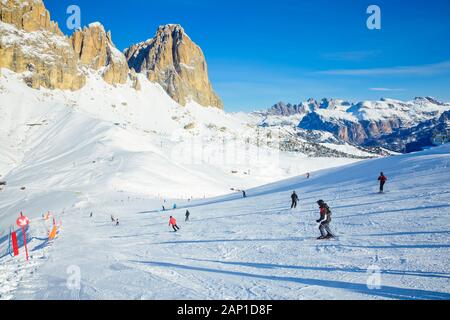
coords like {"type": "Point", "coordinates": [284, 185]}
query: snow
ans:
{"type": "Point", "coordinates": [348, 149]}
{"type": "Point", "coordinates": [112, 150]}
{"type": "Point", "coordinates": [38, 44]}
{"type": "Point", "coordinates": [252, 248]}
{"type": "Point", "coordinates": [116, 55]}
{"type": "Point", "coordinates": [187, 66]}
{"type": "Point", "coordinates": [96, 25]}
{"type": "Point", "coordinates": [116, 138]}
{"type": "Point", "coordinates": [410, 113]}
{"type": "Point", "coordinates": [336, 115]}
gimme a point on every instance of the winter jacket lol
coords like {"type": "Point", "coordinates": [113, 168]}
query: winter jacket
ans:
{"type": "Point", "coordinates": [325, 214]}
{"type": "Point", "coordinates": [294, 197]}
{"type": "Point", "coordinates": [172, 222]}
{"type": "Point", "coordinates": [382, 179]}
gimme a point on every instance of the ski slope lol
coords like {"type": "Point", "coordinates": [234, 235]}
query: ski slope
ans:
{"type": "Point", "coordinates": [123, 139]}
{"type": "Point", "coordinates": [253, 248]}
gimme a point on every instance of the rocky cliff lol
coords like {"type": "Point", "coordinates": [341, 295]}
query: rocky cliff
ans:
{"type": "Point", "coordinates": [95, 49]}
{"type": "Point", "coordinates": [32, 44]}
{"type": "Point", "coordinates": [425, 134]}
{"type": "Point", "coordinates": [173, 60]}
{"type": "Point", "coordinates": [28, 15]}
{"type": "Point", "coordinates": [30, 41]}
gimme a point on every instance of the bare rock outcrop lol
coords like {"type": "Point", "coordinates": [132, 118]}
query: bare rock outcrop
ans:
{"type": "Point", "coordinates": [28, 15]}
{"type": "Point", "coordinates": [173, 60]}
{"type": "Point", "coordinates": [95, 49]}
{"type": "Point", "coordinates": [30, 42]}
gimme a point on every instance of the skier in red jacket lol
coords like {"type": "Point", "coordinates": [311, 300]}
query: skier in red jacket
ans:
{"type": "Point", "coordinates": [173, 224]}
{"type": "Point", "coordinates": [383, 179]}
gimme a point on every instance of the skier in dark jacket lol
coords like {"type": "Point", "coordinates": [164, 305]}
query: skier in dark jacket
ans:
{"type": "Point", "coordinates": [188, 214]}
{"type": "Point", "coordinates": [383, 179]}
{"type": "Point", "coordinates": [295, 200]}
{"type": "Point", "coordinates": [325, 220]}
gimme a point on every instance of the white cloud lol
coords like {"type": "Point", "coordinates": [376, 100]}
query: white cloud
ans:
{"type": "Point", "coordinates": [386, 89]}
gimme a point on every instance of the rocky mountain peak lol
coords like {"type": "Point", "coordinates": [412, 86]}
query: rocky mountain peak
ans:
{"type": "Point", "coordinates": [174, 61]}
{"type": "Point", "coordinates": [32, 44]}
{"type": "Point", "coordinates": [30, 15]}
{"type": "Point", "coordinates": [283, 109]}
{"type": "Point", "coordinates": [95, 49]}
{"type": "Point", "coordinates": [428, 100]}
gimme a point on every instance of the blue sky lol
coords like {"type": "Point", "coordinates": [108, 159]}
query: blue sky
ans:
{"type": "Point", "coordinates": [262, 52]}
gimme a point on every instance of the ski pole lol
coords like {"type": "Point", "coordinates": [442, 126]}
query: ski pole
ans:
{"type": "Point", "coordinates": [9, 242]}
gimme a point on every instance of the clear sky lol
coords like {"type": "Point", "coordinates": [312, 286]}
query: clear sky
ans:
{"type": "Point", "coordinates": [262, 52]}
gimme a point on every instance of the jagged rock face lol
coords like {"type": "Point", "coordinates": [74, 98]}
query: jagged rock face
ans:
{"type": "Point", "coordinates": [95, 49]}
{"type": "Point", "coordinates": [286, 110]}
{"type": "Point", "coordinates": [425, 134]}
{"type": "Point", "coordinates": [173, 60]}
{"type": "Point", "coordinates": [349, 131]}
{"type": "Point", "coordinates": [28, 15]}
{"type": "Point", "coordinates": [367, 121]}
{"type": "Point", "coordinates": [29, 41]}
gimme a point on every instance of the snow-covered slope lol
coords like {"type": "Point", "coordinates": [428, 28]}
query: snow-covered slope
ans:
{"type": "Point", "coordinates": [253, 248]}
{"type": "Point", "coordinates": [116, 138]}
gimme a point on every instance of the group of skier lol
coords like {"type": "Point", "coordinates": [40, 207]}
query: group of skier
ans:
{"type": "Point", "coordinates": [325, 212]}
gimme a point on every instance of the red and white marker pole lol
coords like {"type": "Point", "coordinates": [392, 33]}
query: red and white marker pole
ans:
{"type": "Point", "coordinates": [23, 222]}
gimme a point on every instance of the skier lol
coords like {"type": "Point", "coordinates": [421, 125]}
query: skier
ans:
{"type": "Point", "coordinates": [325, 220]}
{"type": "Point", "coordinates": [112, 219]}
{"type": "Point", "coordinates": [92, 214]}
{"type": "Point", "coordinates": [117, 222]}
{"type": "Point", "coordinates": [383, 179]}
{"type": "Point", "coordinates": [308, 175]}
{"type": "Point", "coordinates": [244, 194]}
{"type": "Point", "coordinates": [173, 224]}
{"type": "Point", "coordinates": [175, 206]}
{"type": "Point", "coordinates": [295, 200]}
{"type": "Point", "coordinates": [164, 208]}
{"type": "Point", "coordinates": [188, 214]}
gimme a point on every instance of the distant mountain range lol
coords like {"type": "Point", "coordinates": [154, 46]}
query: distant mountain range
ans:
{"type": "Point", "coordinates": [391, 124]}
{"type": "Point", "coordinates": [34, 48]}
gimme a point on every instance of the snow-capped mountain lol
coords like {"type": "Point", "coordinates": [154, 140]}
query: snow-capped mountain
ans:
{"type": "Point", "coordinates": [427, 133]}
{"type": "Point", "coordinates": [366, 124]}
{"type": "Point", "coordinates": [87, 132]}
{"type": "Point", "coordinates": [370, 120]}
{"type": "Point", "coordinates": [70, 104]}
